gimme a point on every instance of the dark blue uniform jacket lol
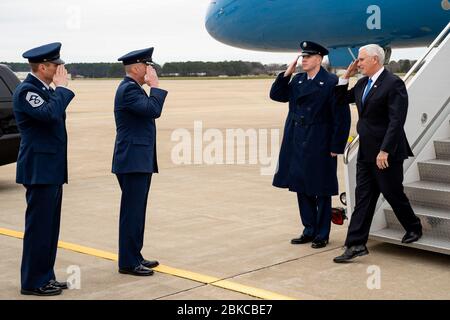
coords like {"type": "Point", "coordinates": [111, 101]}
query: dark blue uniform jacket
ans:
{"type": "Point", "coordinates": [41, 114]}
{"type": "Point", "coordinates": [135, 113]}
{"type": "Point", "coordinates": [315, 127]}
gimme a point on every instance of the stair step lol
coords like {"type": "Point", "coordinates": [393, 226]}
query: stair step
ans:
{"type": "Point", "coordinates": [435, 221]}
{"type": "Point", "coordinates": [437, 170]}
{"type": "Point", "coordinates": [442, 148]}
{"type": "Point", "coordinates": [429, 194]}
{"type": "Point", "coordinates": [427, 242]}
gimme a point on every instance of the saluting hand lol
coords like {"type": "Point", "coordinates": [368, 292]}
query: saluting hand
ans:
{"type": "Point", "coordinates": [351, 70]}
{"type": "Point", "coordinates": [291, 69]}
{"type": "Point", "coordinates": [60, 77]}
{"type": "Point", "coordinates": [151, 78]}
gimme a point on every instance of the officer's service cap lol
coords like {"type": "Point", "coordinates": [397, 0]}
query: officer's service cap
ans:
{"type": "Point", "coordinates": [138, 56]}
{"type": "Point", "coordinates": [46, 53]}
{"type": "Point", "coordinates": [311, 48]}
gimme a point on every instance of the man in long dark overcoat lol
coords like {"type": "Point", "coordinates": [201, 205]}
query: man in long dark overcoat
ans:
{"type": "Point", "coordinates": [316, 131]}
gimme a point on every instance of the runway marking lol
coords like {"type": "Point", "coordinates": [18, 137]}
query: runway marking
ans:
{"type": "Point", "coordinates": [251, 291]}
{"type": "Point", "coordinates": [185, 274]}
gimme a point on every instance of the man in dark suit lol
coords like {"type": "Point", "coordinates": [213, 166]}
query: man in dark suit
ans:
{"type": "Point", "coordinates": [40, 112]}
{"type": "Point", "coordinates": [382, 103]}
{"type": "Point", "coordinates": [134, 158]}
{"type": "Point", "coordinates": [316, 131]}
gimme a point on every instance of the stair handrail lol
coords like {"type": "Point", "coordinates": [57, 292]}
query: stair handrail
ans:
{"type": "Point", "coordinates": [433, 45]}
{"type": "Point", "coordinates": [349, 148]}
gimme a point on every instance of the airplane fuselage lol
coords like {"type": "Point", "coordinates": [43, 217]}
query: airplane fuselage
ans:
{"type": "Point", "coordinates": [280, 25]}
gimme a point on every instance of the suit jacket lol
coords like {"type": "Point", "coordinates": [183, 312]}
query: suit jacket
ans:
{"type": "Point", "coordinates": [41, 114]}
{"type": "Point", "coordinates": [135, 113]}
{"type": "Point", "coordinates": [381, 117]}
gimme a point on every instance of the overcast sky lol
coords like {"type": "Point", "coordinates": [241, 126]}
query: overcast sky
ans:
{"type": "Point", "coordinates": [102, 30]}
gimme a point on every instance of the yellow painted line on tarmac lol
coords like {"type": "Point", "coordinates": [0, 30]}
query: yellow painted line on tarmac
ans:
{"type": "Point", "coordinates": [11, 233]}
{"type": "Point", "coordinates": [224, 284]}
{"type": "Point", "coordinates": [197, 277]}
{"type": "Point", "coordinates": [67, 246]}
{"type": "Point", "coordinates": [186, 274]}
{"type": "Point", "coordinates": [88, 251]}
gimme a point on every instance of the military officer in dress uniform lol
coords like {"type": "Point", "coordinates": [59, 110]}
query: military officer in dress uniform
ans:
{"type": "Point", "coordinates": [134, 159]}
{"type": "Point", "coordinates": [40, 112]}
{"type": "Point", "coordinates": [316, 131]}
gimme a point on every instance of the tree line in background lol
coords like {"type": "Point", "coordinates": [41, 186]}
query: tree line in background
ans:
{"type": "Point", "coordinates": [189, 69]}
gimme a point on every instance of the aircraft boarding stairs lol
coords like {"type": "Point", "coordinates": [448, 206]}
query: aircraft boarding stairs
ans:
{"type": "Point", "coordinates": [427, 175]}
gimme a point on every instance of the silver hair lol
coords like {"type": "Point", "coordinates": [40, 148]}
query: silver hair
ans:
{"type": "Point", "coordinates": [374, 50]}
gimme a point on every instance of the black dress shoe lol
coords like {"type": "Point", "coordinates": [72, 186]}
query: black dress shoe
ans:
{"type": "Point", "coordinates": [412, 236]}
{"type": "Point", "coordinates": [60, 285]}
{"type": "Point", "coordinates": [317, 244]}
{"type": "Point", "coordinates": [150, 263]}
{"type": "Point", "coordinates": [302, 239]}
{"type": "Point", "coordinates": [351, 253]}
{"type": "Point", "coordinates": [140, 270]}
{"type": "Point", "coordinates": [45, 291]}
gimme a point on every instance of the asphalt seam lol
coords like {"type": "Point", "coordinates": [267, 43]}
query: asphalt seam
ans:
{"type": "Point", "coordinates": [181, 291]}
{"type": "Point", "coordinates": [249, 272]}
{"type": "Point", "coordinates": [280, 263]}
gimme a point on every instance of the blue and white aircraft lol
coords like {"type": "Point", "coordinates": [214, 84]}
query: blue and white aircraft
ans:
{"type": "Point", "coordinates": [341, 25]}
